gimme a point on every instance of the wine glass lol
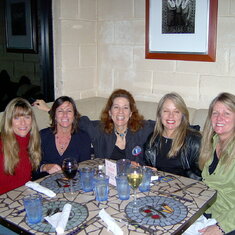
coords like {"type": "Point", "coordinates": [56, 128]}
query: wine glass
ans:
{"type": "Point", "coordinates": [69, 168]}
{"type": "Point", "coordinates": [134, 177]}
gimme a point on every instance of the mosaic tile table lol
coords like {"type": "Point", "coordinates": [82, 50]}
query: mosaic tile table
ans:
{"type": "Point", "coordinates": [166, 209]}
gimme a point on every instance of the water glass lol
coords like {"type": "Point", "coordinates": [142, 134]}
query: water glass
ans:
{"type": "Point", "coordinates": [145, 185]}
{"type": "Point", "coordinates": [123, 187]}
{"type": "Point", "coordinates": [101, 187]}
{"type": "Point", "coordinates": [122, 166]}
{"type": "Point", "coordinates": [33, 208]}
{"type": "Point", "coordinates": [86, 176]}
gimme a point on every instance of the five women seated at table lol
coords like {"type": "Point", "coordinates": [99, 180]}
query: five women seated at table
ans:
{"type": "Point", "coordinates": [121, 133]}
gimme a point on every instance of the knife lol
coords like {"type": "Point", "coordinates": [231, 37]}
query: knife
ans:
{"type": "Point", "coordinates": [58, 183]}
{"type": "Point", "coordinates": [183, 188]}
{"type": "Point", "coordinates": [174, 196]}
{"type": "Point", "coordinates": [133, 222]}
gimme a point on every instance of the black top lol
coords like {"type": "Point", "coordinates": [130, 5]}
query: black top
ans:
{"type": "Point", "coordinates": [214, 164]}
{"type": "Point", "coordinates": [104, 143]}
{"type": "Point", "coordinates": [163, 162]}
{"type": "Point", "coordinates": [118, 153]}
{"type": "Point", "coordinates": [79, 147]}
{"type": "Point", "coordinates": [185, 162]}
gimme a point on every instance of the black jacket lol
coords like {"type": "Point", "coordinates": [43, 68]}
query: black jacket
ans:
{"type": "Point", "coordinates": [104, 143]}
{"type": "Point", "coordinates": [188, 154]}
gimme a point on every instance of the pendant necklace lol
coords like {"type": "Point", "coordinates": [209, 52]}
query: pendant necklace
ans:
{"type": "Point", "coordinates": [122, 135]}
{"type": "Point", "coordinates": [62, 142]}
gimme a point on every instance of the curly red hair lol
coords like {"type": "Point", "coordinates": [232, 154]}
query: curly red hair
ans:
{"type": "Point", "coordinates": [136, 120]}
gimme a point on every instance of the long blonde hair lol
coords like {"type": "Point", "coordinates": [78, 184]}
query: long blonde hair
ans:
{"type": "Point", "coordinates": [180, 133]}
{"type": "Point", "coordinates": [228, 150]}
{"type": "Point", "coordinates": [10, 148]}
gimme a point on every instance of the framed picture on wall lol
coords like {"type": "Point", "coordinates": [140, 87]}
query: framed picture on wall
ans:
{"type": "Point", "coordinates": [181, 29]}
{"type": "Point", "coordinates": [20, 24]}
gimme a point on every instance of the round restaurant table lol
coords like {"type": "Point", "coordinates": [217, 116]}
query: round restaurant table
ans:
{"type": "Point", "coordinates": [169, 207]}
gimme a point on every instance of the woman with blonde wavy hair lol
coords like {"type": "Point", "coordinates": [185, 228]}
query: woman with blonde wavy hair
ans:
{"type": "Point", "coordinates": [217, 161]}
{"type": "Point", "coordinates": [20, 151]}
{"type": "Point", "coordinates": [173, 146]}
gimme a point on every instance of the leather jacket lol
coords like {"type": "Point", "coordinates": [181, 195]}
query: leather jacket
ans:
{"type": "Point", "coordinates": [188, 154]}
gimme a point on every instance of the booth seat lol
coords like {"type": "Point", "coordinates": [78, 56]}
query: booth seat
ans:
{"type": "Point", "coordinates": [92, 108]}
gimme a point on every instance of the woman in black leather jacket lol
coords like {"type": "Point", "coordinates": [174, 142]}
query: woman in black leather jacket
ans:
{"type": "Point", "coordinates": [173, 147]}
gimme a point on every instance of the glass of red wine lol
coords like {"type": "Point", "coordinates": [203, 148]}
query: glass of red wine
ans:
{"type": "Point", "coordinates": [69, 168]}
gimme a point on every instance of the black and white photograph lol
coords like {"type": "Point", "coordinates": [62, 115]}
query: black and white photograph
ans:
{"type": "Point", "coordinates": [178, 16]}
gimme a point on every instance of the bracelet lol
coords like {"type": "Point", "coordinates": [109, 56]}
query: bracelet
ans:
{"type": "Point", "coordinates": [217, 224]}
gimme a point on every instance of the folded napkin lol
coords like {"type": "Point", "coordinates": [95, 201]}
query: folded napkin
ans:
{"type": "Point", "coordinates": [154, 177]}
{"type": "Point", "coordinates": [111, 223]}
{"type": "Point", "coordinates": [200, 223]}
{"type": "Point", "coordinates": [59, 220]}
{"type": "Point", "coordinates": [37, 187]}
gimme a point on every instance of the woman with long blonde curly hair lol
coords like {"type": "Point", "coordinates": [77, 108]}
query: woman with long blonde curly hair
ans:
{"type": "Point", "coordinates": [20, 151]}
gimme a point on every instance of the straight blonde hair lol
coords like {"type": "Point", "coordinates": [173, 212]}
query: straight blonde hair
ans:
{"type": "Point", "coordinates": [180, 133]}
{"type": "Point", "coordinates": [228, 151]}
{"type": "Point", "coordinates": [10, 147]}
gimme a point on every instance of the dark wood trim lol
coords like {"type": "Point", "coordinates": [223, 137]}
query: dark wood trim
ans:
{"type": "Point", "coordinates": [47, 61]}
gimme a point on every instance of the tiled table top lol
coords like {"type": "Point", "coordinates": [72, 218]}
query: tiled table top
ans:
{"type": "Point", "coordinates": [196, 199]}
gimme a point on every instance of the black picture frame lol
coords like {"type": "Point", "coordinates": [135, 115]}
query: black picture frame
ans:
{"type": "Point", "coordinates": [21, 26]}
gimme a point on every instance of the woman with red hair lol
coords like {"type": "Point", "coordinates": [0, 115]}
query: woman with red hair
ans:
{"type": "Point", "coordinates": [121, 131]}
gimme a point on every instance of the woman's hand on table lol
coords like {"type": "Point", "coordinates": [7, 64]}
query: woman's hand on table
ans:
{"type": "Point", "coordinates": [211, 230]}
{"type": "Point", "coordinates": [152, 168]}
{"type": "Point", "coordinates": [41, 104]}
{"type": "Point", "coordinates": [51, 168]}
{"type": "Point", "coordinates": [135, 163]}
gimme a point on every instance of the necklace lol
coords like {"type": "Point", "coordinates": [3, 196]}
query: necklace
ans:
{"type": "Point", "coordinates": [62, 142]}
{"type": "Point", "coordinates": [122, 135]}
